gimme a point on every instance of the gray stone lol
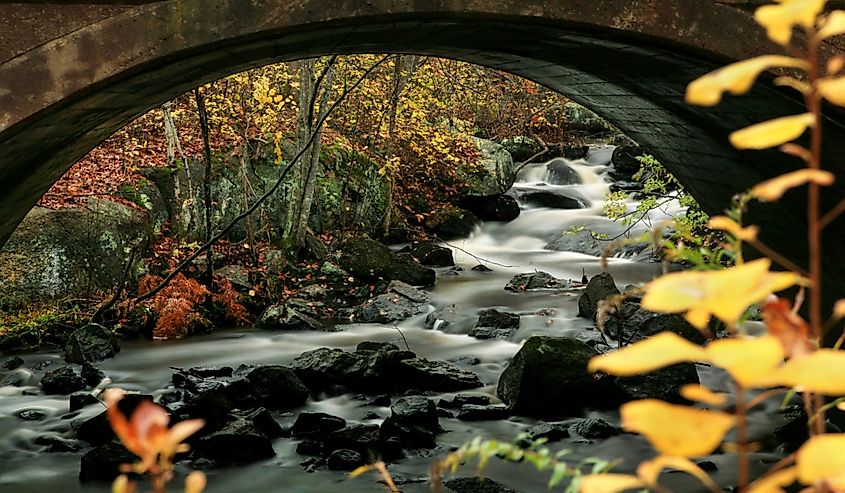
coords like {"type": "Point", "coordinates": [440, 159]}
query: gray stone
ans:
{"type": "Point", "coordinates": [534, 281]}
{"type": "Point", "coordinates": [439, 376]}
{"type": "Point", "coordinates": [90, 343]}
{"type": "Point", "coordinates": [64, 380]}
{"type": "Point", "coordinates": [492, 173]}
{"type": "Point", "coordinates": [476, 485]}
{"type": "Point", "coordinates": [600, 287]}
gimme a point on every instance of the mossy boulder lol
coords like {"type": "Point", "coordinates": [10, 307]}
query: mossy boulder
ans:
{"type": "Point", "coordinates": [492, 173]}
{"type": "Point", "coordinates": [371, 261]}
{"type": "Point", "coordinates": [521, 148]}
{"type": "Point", "coordinates": [90, 343]}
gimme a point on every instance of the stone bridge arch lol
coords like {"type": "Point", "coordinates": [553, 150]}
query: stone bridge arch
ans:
{"type": "Point", "coordinates": [72, 73]}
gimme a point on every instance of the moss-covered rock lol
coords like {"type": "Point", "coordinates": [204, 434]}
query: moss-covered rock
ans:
{"type": "Point", "coordinates": [492, 173]}
{"type": "Point", "coordinates": [371, 261]}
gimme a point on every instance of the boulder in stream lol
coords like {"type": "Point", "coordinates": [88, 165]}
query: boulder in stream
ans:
{"type": "Point", "coordinates": [496, 319]}
{"type": "Point", "coordinates": [371, 261]}
{"type": "Point", "coordinates": [400, 301]}
{"type": "Point", "coordinates": [540, 198]}
{"type": "Point", "coordinates": [452, 223]}
{"type": "Point", "coordinates": [560, 172]}
{"type": "Point", "coordinates": [499, 207]}
{"type": "Point", "coordinates": [476, 485]}
{"type": "Point", "coordinates": [438, 376]}
{"type": "Point", "coordinates": [63, 380]}
{"type": "Point", "coordinates": [430, 254]}
{"type": "Point", "coordinates": [92, 342]}
{"type": "Point", "coordinates": [246, 438]}
{"type": "Point", "coordinates": [535, 281]}
{"type": "Point", "coordinates": [413, 421]}
{"type": "Point", "coordinates": [293, 314]}
{"type": "Point", "coordinates": [601, 286]}
{"type": "Point", "coordinates": [102, 463]}
{"type": "Point", "coordinates": [630, 322]}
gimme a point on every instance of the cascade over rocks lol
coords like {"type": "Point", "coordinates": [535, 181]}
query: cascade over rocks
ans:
{"type": "Point", "coordinates": [561, 173]}
{"type": "Point", "coordinates": [92, 342]}
{"type": "Point", "coordinates": [600, 287]}
{"type": "Point", "coordinates": [548, 377]}
{"type": "Point", "coordinates": [442, 318]}
{"type": "Point", "coordinates": [499, 207]}
{"type": "Point", "coordinates": [371, 261]}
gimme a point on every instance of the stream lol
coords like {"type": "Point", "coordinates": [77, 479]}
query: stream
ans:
{"type": "Point", "coordinates": [507, 248]}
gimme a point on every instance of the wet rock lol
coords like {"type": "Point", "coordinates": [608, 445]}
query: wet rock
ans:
{"type": "Point", "coordinates": [550, 200]}
{"type": "Point", "coordinates": [276, 387]}
{"type": "Point", "coordinates": [625, 162]}
{"type": "Point", "coordinates": [533, 281]}
{"type": "Point", "coordinates": [414, 421]}
{"type": "Point", "coordinates": [310, 424]}
{"type": "Point", "coordinates": [294, 314]}
{"type": "Point", "coordinates": [102, 463]}
{"type": "Point", "coordinates": [579, 242]}
{"type": "Point", "coordinates": [521, 148]}
{"type": "Point", "coordinates": [57, 444]}
{"type": "Point", "coordinates": [467, 360]}
{"type": "Point", "coordinates": [16, 378]}
{"type": "Point", "coordinates": [92, 342]}
{"type": "Point", "coordinates": [664, 383]}
{"type": "Point", "coordinates": [78, 400]}
{"type": "Point", "coordinates": [498, 320]}
{"type": "Point", "coordinates": [481, 268]}
{"type": "Point", "coordinates": [97, 430]}
{"type": "Point", "coordinates": [600, 287]}
{"type": "Point", "coordinates": [452, 223]}
{"type": "Point", "coordinates": [476, 485]}
{"type": "Point", "coordinates": [309, 447]}
{"type": "Point", "coordinates": [552, 432]}
{"type": "Point", "coordinates": [238, 275]}
{"type": "Point", "coordinates": [631, 323]}
{"type": "Point", "coordinates": [571, 152]}
{"type": "Point", "coordinates": [344, 460]}
{"type": "Point", "coordinates": [561, 173]}
{"type": "Point", "coordinates": [594, 429]}
{"type": "Point", "coordinates": [442, 318]}
{"type": "Point", "coordinates": [368, 370]}
{"type": "Point", "coordinates": [461, 400]}
{"type": "Point", "coordinates": [371, 261]}
{"type": "Point", "coordinates": [475, 412]}
{"type": "Point", "coordinates": [361, 438]}
{"type": "Point", "coordinates": [91, 374]}
{"type": "Point", "coordinates": [63, 380]}
{"type": "Point", "coordinates": [13, 363]}
{"type": "Point", "coordinates": [439, 376]}
{"type": "Point", "coordinates": [245, 439]}
{"type": "Point", "coordinates": [401, 301]}
{"type": "Point", "coordinates": [31, 415]}
{"type": "Point", "coordinates": [497, 207]}
{"type": "Point", "coordinates": [793, 432]}
{"type": "Point", "coordinates": [626, 186]}
{"type": "Point", "coordinates": [430, 254]}
{"type": "Point", "coordinates": [493, 172]}
{"type": "Point", "coordinates": [491, 333]}
{"type": "Point", "coordinates": [548, 377]}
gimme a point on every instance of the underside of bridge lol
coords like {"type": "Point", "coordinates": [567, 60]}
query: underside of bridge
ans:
{"type": "Point", "coordinates": [69, 82]}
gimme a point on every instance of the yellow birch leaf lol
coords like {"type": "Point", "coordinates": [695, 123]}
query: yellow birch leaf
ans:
{"type": "Point", "coordinates": [736, 78]}
{"type": "Point", "coordinates": [676, 430]}
{"type": "Point", "coordinates": [773, 132]}
{"type": "Point", "coordinates": [833, 89]}
{"type": "Point", "coordinates": [700, 393]}
{"type": "Point", "coordinates": [661, 350]}
{"type": "Point", "coordinates": [821, 371]}
{"type": "Point", "coordinates": [750, 361]}
{"type": "Point", "coordinates": [731, 227]}
{"type": "Point", "coordinates": [650, 470]}
{"type": "Point", "coordinates": [195, 482]}
{"type": "Point", "coordinates": [839, 308]}
{"type": "Point", "coordinates": [774, 188]}
{"type": "Point", "coordinates": [779, 18]}
{"type": "Point", "coordinates": [609, 483]}
{"type": "Point", "coordinates": [822, 458]}
{"type": "Point", "coordinates": [774, 483]}
{"type": "Point", "coordinates": [833, 25]}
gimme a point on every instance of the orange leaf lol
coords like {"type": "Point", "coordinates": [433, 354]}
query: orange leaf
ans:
{"type": "Point", "coordinates": [788, 327]}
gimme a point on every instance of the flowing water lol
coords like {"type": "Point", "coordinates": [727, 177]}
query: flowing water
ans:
{"type": "Point", "coordinates": [507, 248]}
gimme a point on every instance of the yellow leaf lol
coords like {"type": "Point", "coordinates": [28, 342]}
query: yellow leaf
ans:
{"type": "Point", "coordinates": [699, 393]}
{"type": "Point", "coordinates": [676, 430]}
{"type": "Point", "coordinates": [839, 308]}
{"type": "Point", "coordinates": [774, 188]}
{"type": "Point", "coordinates": [822, 458]}
{"type": "Point", "coordinates": [750, 361]}
{"type": "Point", "coordinates": [609, 483]}
{"type": "Point", "coordinates": [649, 470]}
{"type": "Point", "coordinates": [724, 293]}
{"type": "Point", "coordinates": [195, 482]}
{"type": "Point", "coordinates": [658, 351]}
{"type": "Point", "coordinates": [736, 78]}
{"type": "Point", "coordinates": [779, 19]}
{"type": "Point", "coordinates": [833, 25]}
{"type": "Point", "coordinates": [821, 371]}
{"type": "Point", "coordinates": [773, 132]}
{"type": "Point", "coordinates": [731, 227]}
{"type": "Point", "coordinates": [833, 89]}
{"type": "Point", "coordinates": [774, 483]}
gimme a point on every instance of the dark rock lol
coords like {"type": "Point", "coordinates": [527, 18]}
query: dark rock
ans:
{"type": "Point", "coordinates": [92, 375]}
{"type": "Point", "coordinates": [707, 465]}
{"type": "Point", "coordinates": [277, 387]}
{"type": "Point", "coordinates": [561, 173]}
{"type": "Point", "coordinates": [452, 223]}
{"type": "Point", "coordinates": [430, 254]}
{"type": "Point", "coordinates": [552, 432]}
{"type": "Point", "coordinates": [521, 148]}
{"type": "Point", "coordinates": [13, 363]}
{"type": "Point", "coordinates": [63, 380]}
{"type": "Point", "coordinates": [442, 318]}
{"type": "Point", "coordinates": [532, 281]}
{"type": "Point", "coordinates": [467, 360]}
{"type": "Point", "coordinates": [793, 432]}
{"type": "Point", "coordinates": [242, 440]}
{"type": "Point", "coordinates": [497, 320]}
{"type": "Point", "coordinates": [376, 346]}
{"type": "Point", "coordinates": [78, 400]}
{"type": "Point", "coordinates": [491, 333]}
{"type": "Point", "coordinates": [475, 412]}
{"type": "Point", "coordinates": [401, 301]}
{"type": "Point", "coordinates": [439, 376]}
{"type": "Point", "coordinates": [57, 444]}
{"type": "Point", "coordinates": [482, 268]}
{"type": "Point", "coordinates": [371, 415]}
{"type": "Point", "coordinates": [90, 343]}
{"type": "Point", "coordinates": [31, 415]}
{"type": "Point", "coordinates": [16, 378]}
{"type": "Point", "coordinates": [571, 152]}
{"type": "Point", "coordinates": [371, 261]}
{"type": "Point", "coordinates": [601, 286]}
{"type": "Point", "coordinates": [631, 323]}
{"type": "Point", "coordinates": [664, 383]}
{"type": "Point", "coordinates": [362, 438]}
{"type": "Point", "coordinates": [366, 370]}
{"type": "Point", "coordinates": [310, 424]}
{"type": "Point", "coordinates": [294, 314]}
{"type": "Point", "coordinates": [414, 421]}
{"type": "Point", "coordinates": [551, 200]}
{"type": "Point", "coordinates": [461, 400]}
{"type": "Point", "coordinates": [548, 377]}
{"type": "Point", "coordinates": [498, 207]}
{"type": "Point", "coordinates": [476, 485]}
{"type": "Point", "coordinates": [594, 429]}
{"type": "Point", "coordinates": [626, 186]}
{"type": "Point", "coordinates": [309, 447]}
{"type": "Point", "coordinates": [97, 430]}
{"type": "Point", "coordinates": [625, 162]}
{"type": "Point", "coordinates": [238, 275]}
{"type": "Point", "coordinates": [344, 460]}
{"type": "Point", "coordinates": [264, 422]}
{"type": "Point", "coordinates": [102, 463]}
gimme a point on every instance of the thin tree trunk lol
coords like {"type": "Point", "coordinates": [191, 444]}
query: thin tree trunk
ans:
{"type": "Point", "coordinates": [209, 264]}
{"type": "Point", "coordinates": [400, 80]}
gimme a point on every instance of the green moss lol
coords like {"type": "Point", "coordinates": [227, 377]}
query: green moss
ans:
{"type": "Point", "coordinates": [38, 328]}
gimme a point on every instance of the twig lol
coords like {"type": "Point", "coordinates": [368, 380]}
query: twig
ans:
{"type": "Point", "coordinates": [403, 336]}
{"type": "Point", "coordinates": [119, 291]}
{"type": "Point", "coordinates": [267, 194]}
